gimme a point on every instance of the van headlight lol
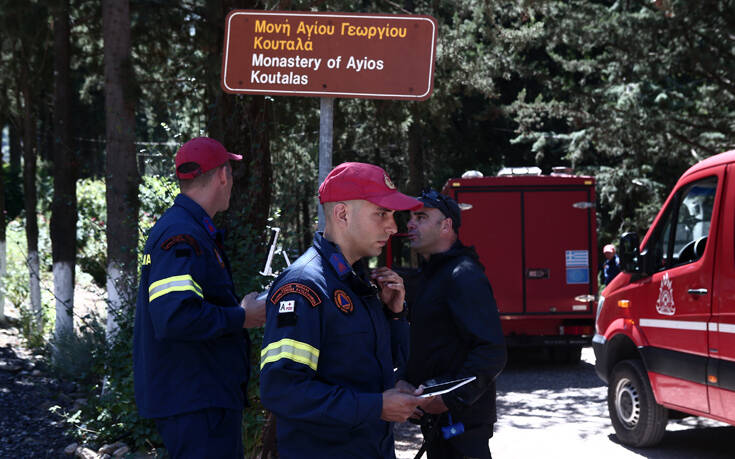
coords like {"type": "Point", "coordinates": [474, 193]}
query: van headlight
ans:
{"type": "Point", "coordinates": [600, 302]}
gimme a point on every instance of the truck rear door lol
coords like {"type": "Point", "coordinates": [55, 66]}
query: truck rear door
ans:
{"type": "Point", "coordinates": [558, 240]}
{"type": "Point", "coordinates": [494, 226]}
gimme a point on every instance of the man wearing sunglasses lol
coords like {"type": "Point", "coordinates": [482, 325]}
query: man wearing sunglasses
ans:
{"type": "Point", "coordinates": [455, 333]}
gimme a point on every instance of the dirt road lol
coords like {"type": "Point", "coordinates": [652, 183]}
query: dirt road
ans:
{"type": "Point", "coordinates": [550, 411]}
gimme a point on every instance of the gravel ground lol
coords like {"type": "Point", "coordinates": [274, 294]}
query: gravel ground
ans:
{"type": "Point", "coordinates": [544, 410]}
{"type": "Point", "coordinates": [551, 411]}
{"type": "Point", "coordinates": [27, 428]}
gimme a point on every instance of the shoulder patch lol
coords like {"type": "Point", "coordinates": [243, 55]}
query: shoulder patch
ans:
{"type": "Point", "coordinates": [182, 239]}
{"type": "Point", "coordinates": [343, 301]}
{"type": "Point", "coordinates": [300, 289]}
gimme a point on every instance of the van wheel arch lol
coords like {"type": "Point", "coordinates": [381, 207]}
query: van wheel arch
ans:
{"type": "Point", "coordinates": [620, 348]}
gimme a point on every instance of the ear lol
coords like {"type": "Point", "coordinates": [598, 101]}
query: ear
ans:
{"type": "Point", "coordinates": [447, 225]}
{"type": "Point", "coordinates": [340, 213]}
{"type": "Point", "coordinates": [222, 175]}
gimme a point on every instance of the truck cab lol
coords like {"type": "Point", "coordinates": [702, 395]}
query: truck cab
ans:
{"type": "Point", "coordinates": [665, 327]}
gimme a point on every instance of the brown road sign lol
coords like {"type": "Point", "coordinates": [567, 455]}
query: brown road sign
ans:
{"type": "Point", "coordinates": [373, 56]}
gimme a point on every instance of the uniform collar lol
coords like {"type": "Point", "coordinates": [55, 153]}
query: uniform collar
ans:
{"type": "Point", "coordinates": [456, 250]}
{"type": "Point", "coordinates": [199, 214]}
{"type": "Point", "coordinates": [331, 252]}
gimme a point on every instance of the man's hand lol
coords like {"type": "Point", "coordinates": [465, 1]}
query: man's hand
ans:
{"type": "Point", "coordinates": [405, 387]}
{"type": "Point", "coordinates": [254, 310]}
{"type": "Point", "coordinates": [434, 405]}
{"type": "Point", "coordinates": [392, 291]}
{"type": "Point", "coordinates": [398, 406]}
{"type": "Point", "coordinates": [408, 388]}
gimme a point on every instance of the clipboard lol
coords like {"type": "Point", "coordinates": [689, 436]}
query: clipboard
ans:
{"type": "Point", "coordinates": [443, 388]}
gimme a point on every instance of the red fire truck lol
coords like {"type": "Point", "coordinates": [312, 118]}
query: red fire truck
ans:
{"type": "Point", "coordinates": [536, 236]}
{"type": "Point", "coordinates": [665, 340]}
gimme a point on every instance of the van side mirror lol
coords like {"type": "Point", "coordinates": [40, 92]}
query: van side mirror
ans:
{"type": "Point", "coordinates": [630, 259]}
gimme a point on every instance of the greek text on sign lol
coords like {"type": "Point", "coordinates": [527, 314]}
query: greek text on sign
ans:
{"type": "Point", "coordinates": [329, 54]}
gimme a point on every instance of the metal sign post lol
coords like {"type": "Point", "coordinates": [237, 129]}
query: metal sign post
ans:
{"type": "Point", "coordinates": [326, 123]}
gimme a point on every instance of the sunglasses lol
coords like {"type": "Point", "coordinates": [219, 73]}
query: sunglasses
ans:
{"type": "Point", "coordinates": [438, 201]}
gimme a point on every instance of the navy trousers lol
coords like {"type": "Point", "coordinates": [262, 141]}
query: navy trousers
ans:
{"type": "Point", "coordinates": [214, 433]}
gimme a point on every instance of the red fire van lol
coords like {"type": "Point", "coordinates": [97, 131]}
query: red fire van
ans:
{"type": "Point", "coordinates": [665, 330]}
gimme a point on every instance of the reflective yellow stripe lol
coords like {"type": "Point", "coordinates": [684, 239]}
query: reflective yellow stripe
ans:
{"type": "Point", "coordinates": [290, 349]}
{"type": "Point", "coordinates": [173, 284]}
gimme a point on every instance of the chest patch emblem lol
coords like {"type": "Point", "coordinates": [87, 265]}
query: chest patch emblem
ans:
{"type": "Point", "coordinates": [343, 301]}
{"type": "Point", "coordinates": [299, 289]}
{"type": "Point", "coordinates": [286, 307]}
{"type": "Point", "coordinates": [665, 303]}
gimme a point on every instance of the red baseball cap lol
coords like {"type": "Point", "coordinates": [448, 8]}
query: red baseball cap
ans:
{"type": "Point", "coordinates": [205, 152]}
{"type": "Point", "coordinates": [350, 181]}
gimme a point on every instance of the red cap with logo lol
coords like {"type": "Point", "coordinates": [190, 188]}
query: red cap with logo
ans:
{"type": "Point", "coordinates": [350, 181]}
{"type": "Point", "coordinates": [204, 152]}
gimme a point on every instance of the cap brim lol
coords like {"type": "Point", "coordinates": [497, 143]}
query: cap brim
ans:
{"type": "Point", "coordinates": [396, 201]}
{"type": "Point", "coordinates": [426, 202]}
{"type": "Point", "coordinates": [234, 156]}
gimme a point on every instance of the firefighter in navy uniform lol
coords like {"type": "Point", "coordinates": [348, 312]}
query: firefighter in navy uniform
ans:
{"type": "Point", "coordinates": [455, 333]}
{"type": "Point", "coordinates": [190, 348]}
{"type": "Point", "coordinates": [327, 371]}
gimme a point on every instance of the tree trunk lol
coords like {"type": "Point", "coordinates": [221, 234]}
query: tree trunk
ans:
{"type": "Point", "coordinates": [121, 173]}
{"type": "Point", "coordinates": [3, 247]}
{"type": "Point", "coordinates": [15, 150]}
{"type": "Point", "coordinates": [29, 193]}
{"type": "Point", "coordinates": [416, 179]}
{"type": "Point", "coordinates": [241, 124]}
{"type": "Point", "coordinates": [64, 205]}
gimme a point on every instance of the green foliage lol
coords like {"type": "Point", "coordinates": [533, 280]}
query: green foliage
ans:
{"type": "Point", "coordinates": [104, 368]}
{"type": "Point", "coordinates": [91, 236]}
{"type": "Point", "coordinates": [16, 282]}
{"type": "Point", "coordinates": [13, 185]}
{"type": "Point", "coordinates": [104, 365]}
{"type": "Point", "coordinates": [156, 195]}
{"type": "Point", "coordinates": [632, 92]}
{"type": "Point", "coordinates": [75, 355]}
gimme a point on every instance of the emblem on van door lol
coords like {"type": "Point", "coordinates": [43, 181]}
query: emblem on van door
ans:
{"type": "Point", "coordinates": [665, 303]}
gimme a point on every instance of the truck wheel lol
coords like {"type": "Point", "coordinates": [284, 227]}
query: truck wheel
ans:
{"type": "Point", "coordinates": [574, 355]}
{"type": "Point", "coordinates": [566, 355]}
{"type": "Point", "coordinates": [638, 420]}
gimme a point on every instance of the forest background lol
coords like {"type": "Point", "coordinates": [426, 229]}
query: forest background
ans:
{"type": "Point", "coordinates": [96, 97]}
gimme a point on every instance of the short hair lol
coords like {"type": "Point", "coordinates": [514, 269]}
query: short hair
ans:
{"type": "Point", "coordinates": [200, 180]}
{"type": "Point", "coordinates": [329, 206]}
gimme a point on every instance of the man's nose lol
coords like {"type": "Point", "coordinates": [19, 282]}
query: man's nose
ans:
{"type": "Point", "coordinates": [392, 228]}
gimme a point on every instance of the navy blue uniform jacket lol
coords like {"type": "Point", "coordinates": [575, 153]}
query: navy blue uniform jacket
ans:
{"type": "Point", "coordinates": [326, 359]}
{"type": "Point", "coordinates": [190, 350]}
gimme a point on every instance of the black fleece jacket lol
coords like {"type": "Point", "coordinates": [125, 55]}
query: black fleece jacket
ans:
{"type": "Point", "coordinates": [455, 332]}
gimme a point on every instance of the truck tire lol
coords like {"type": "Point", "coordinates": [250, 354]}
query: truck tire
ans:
{"type": "Point", "coordinates": [566, 355]}
{"type": "Point", "coordinates": [638, 420]}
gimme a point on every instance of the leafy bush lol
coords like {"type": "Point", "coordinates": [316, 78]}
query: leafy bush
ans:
{"type": "Point", "coordinates": [91, 236]}
{"type": "Point", "coordinates": [156, 195]}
